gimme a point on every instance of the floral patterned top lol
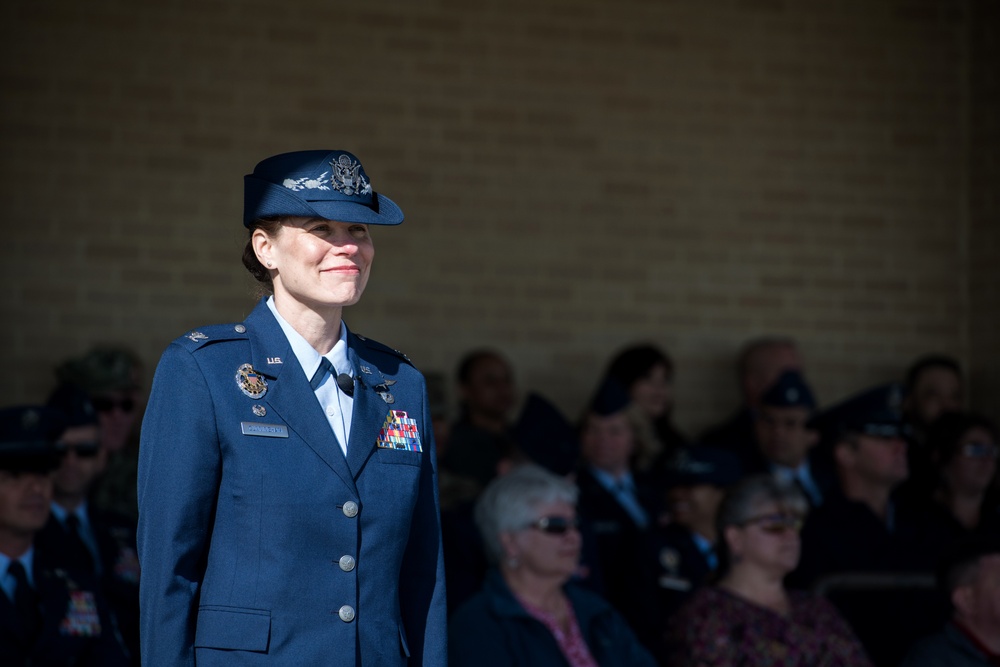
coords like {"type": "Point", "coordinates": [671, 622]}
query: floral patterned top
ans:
{"type": "Point", "coordinates": [716, 628]}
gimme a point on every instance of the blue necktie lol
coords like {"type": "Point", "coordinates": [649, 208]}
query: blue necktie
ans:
{"type": "Point", "coordinates": [321, 372]}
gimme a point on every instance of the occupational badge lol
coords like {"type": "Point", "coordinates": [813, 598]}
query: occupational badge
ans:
{"type": "Point", "coordinates": [250, 381]}
{"type": "Point", "coordinates": [399, 432]}
{"type": "Point", "coordinates": [196, 336]}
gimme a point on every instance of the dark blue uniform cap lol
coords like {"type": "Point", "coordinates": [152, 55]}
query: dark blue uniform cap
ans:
{"type": "Point", "coordinates": [546, 437]}
{"type": "Point", "coordinates": [704, 465]}
{"type": "Point", "coordinates": [610, 398]}
{"type": "Point", "coordinates": [325, 184]}
{"type": "Point", "coordinates": [874, 412]}
{"type": "Point", "coordinates": [27, 438]}
{"type": "Point", "coordinates": [74, 404]}
{"type": "Point", "coordinates": [789, 391]}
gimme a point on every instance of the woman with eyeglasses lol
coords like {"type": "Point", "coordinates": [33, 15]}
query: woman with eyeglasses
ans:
{"type": "Point", "coordinates": [529, 611]}
{"type": "Point", "coordinates": [749, 618]}
{"type": "Point", "coordinates": [965, 501]}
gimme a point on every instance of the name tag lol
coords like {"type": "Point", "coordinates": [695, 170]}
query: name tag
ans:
{"type": "Point", "coordinates": [264, 430]}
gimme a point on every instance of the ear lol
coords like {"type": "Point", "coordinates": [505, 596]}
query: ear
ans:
{"type": "Point", "coordinates": [510, 549]}
{"type": "Point", "coordinates": [843, 454]}
{"type": "Point", "coordinates": [262, 247]}
{"type": "Point", "coordinates": [812, 438]}
{"type": "Point", "coordinates": [961, 598]}
{"type": "Point", "coordinates": [734, 539]}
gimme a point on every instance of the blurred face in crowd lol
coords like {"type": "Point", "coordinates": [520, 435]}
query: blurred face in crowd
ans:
{"type": "Point", "coordinates": [608, 441]}
{"type": "Point", "coordinates": [654, 392]}
{"type": "Point", "coordinates": [489, 389]}
{"type": "Point", "coordinates": [875, 460]}
{"type": "Point", "coordinates": [549, 547]}
{"type": "Point", "coordinates": [937, 390]}
{"type": "Point", "coordinates": [977, 602]}
{"type": "Point", "coordinates": [117, 413]}
{"type": "Point", "coordinates": [83, 461]}
{"type": "Point", "coordinates": [764, 366]}
{"type": "Point", "coordinates": [782, 434]}
{"type": "Point", "coordinates": [975, 463]}
{"type": "Point", "coordinates": [24, 503]}
{"type": "Point", "coordinates": [694, 506]}
{"type": "Point", "coordinates": [768, 541]}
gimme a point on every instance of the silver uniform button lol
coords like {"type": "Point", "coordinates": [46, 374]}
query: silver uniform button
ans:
{"type": "Point", "coordinates": [240, 328]}
{"type": "Point", "coordinates": [346, 613]}
{"type": "Point", "coordinates": [350, 509]}
{"type": "Point", "coordinates": [347, 563]}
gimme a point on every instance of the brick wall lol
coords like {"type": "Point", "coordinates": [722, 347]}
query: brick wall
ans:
{"type": "Point", "coordinates": [576, 175]}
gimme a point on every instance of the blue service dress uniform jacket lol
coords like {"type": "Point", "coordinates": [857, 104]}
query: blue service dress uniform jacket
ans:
{"type": "Point", "coordinates": [260, 542]}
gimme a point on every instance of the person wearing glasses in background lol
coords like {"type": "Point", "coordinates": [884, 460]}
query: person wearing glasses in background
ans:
{"type": "Point", "coordinates": [79, 537]}
{"type": "Point", "coordinates": [748, 617]}
{"type": "Point", "coordinates": [111, 376]}
{"type": "Point", "coordinates": [529, 612]}
{"type": "Point", "coordinates": [963, 447]}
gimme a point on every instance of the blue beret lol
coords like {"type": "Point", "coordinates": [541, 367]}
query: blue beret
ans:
{"type": "Point", "coordinates": [326, 184]}
{"type": "Point", "coordinates": [704, 465]}
{"type": "Point", "coordinates": [874, 412]}
{"type": "Point", "coordinates": [545, 436]}
{"type": "Point", "coordinates": [27, 438]}
{"type": "Point", "coordinates": [789, 391]}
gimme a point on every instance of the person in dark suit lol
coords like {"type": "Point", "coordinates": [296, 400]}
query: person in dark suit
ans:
{"type": "Point", "coordinates": [80, 537]}
{"type": "Point", "coordinates": [620, 507]}
{"type": "Point", "coordinates": [287, 472]}
{"type": "Point", "coordinates": [48, 616]}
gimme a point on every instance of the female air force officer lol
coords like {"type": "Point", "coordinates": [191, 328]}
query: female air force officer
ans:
{"type": "Point", "coordinates": [287, 479]}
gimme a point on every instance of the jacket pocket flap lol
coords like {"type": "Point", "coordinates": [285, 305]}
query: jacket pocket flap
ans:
{"type": "Point", "coordinates": [233, 628]}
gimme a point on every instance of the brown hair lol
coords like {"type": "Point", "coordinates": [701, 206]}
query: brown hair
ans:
{"type": "Point", "coordinates": [270, 226]}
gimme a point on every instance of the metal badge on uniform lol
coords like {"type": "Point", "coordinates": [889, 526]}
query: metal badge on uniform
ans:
{"type": "Point", "coordinates": [382, 389]}
{"type": "Point", "coordinates": [196, 336]}
{"type": "Point", "coordinates": [82, 619]}
{"type": "Point", "coordinates": [250, 381]}
{"type": "Point", "coordinates": [127, 565]}
{"type": "Point", "coordinates": [399, 432]}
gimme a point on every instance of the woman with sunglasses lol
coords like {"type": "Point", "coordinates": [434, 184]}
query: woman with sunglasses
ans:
{"type": "Point", "coordinates": [749, 618]}
{"type": "Point", "coordinates": [529, 612]}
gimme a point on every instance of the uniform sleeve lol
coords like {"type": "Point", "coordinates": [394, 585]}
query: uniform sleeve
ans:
{"type": "Point", "coordinates": [178, 480]}
{"type": "Point", "coordinates": [422, 592]}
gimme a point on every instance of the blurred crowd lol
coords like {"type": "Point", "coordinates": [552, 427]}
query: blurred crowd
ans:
{"type": "Point", "coordinates": [793, 533]}
{"type": "Point", "coordinates": [865, 532]}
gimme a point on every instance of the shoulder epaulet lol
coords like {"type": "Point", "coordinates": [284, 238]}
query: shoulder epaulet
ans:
{"type": "Point", "coordinates": [196, 338]}
{"type": "Point", "coordinates": [375, 345]}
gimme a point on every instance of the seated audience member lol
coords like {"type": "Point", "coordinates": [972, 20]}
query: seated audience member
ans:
{"type": "Point", "coordinates": [860, 527]}
{"type": "Point", "coordinates": [529, 613]}
{"type": "Point", "coordinates": [863, 531]}
{"type": "Point", "coordinates": [933, 388]}
{"type": "Point", "coordinates": [760, 363]}
{"type": "Point", "coordinates": [971, 577]}
{"type": "Point", "coordinates": [785, 440]}
{"type": "Point", "coordinates": [47, 616]}
{"type": "Point", "coordinates": [84, 539]}
{"type": "Point", "coordinates": [647, 374]}
{"type": "Point", "coordinates": [963, 449]}
{"type": "Point", "coordinates": [749, 618]}
{"type": "Point", "coordinates": [487, 396]}
{"type": "Point", "coordinates": [618, 503]}
{"type": "Point", "coordinates": [111, 376]}
{"type": "Point", "coordinates": [686, 547]}
{"type": "Point", "coordinates": [541, 435]}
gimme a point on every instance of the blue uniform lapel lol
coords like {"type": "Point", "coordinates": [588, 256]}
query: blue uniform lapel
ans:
{"type": "Point", "coordinates": [370, 409]}
{"type": "Point", "coordinates": [288, 392]}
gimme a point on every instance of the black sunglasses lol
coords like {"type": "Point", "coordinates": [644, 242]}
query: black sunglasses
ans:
{"type": "Point", "coordinates": [108, 404]}
{"type": "Point", "coordinates": [84, 450]}
{"type": "Point", "coordinates": [556, 525]}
